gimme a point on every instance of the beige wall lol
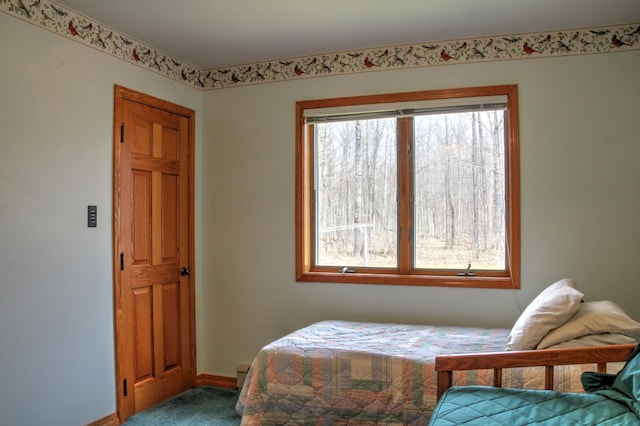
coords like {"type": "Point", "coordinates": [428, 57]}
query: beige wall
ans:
{"type": "Point", "coordinates": [56, 305]}
{"type": "Point", "coordinates": [580, 202]}
{"type": "Point", "coordinates": [579, 210]}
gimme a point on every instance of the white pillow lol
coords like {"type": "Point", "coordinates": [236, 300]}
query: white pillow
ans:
{"type": "Point", "coordinates": [593, 340]}
{"type": "Point", "coordinates": [592, 318]}
{"type": "Point", "coordinates": [550, 309]}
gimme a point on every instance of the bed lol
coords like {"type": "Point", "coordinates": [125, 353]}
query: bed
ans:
{"type": "Point", "coordinates": [343, 372]}
{"type": "Point", "coordinates": [610, 399]}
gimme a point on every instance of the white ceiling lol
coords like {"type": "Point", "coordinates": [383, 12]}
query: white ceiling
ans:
{"type": "Point", "coordinates": [220, 33]}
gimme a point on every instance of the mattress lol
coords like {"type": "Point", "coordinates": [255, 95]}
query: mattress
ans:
{"type": "Point", "coordinates": [480, 405]}
{"type": "Point", "coordinates": [340, 372]}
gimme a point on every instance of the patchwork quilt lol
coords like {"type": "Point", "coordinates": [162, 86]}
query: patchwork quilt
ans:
{"type": "Point", "coordinates": [339, 372]}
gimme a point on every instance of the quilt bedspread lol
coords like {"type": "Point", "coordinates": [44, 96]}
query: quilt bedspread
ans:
{"type": "Point", "coordinates": [339, 372]}
{"type": "Point", "coordinates": [477, 405]}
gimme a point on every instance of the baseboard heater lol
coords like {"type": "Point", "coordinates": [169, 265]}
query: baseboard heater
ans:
{"type": "Point", "coordinates": [241, 374]}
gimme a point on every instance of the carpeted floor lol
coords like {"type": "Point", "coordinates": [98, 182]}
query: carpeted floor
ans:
{"type": "Point", "coordinates": [200, 406]}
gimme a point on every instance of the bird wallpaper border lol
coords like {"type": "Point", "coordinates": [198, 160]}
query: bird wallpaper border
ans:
{"type": "Point", "coordinates": [68, 23]}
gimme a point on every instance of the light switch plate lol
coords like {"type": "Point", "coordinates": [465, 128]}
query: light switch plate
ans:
{"type": "Point", "coordinates": [92, 216]}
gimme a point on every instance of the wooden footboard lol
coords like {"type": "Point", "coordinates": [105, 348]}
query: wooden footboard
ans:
{"type": "Point", "coordinates": [548, 358]}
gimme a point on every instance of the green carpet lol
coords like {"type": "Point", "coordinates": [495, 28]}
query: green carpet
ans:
{"type": "Point", "coordinates": [204, 405]}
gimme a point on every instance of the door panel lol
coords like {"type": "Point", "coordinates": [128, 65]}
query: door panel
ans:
{"type": "Point", "coordinates": [143, 329]}
{"type": "Point", "coordinates": [153, 230]}
{"type": "Point", "coordinates": [141, 229]}
{"type": "Point", "coordinates": [171, 321]}
{"type": "Point", "coordinates": [169, 216]}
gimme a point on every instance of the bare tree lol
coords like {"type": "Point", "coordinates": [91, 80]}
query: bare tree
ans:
{"type": "Point", "coordinates": [458, 165]}
{"type": "Point", "coordinates": [358, 182]}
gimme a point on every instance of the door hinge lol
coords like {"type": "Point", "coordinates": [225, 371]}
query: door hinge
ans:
{"type": "Point", "coordinates": [121, 132]}
{"type": "Point", "coordinates": [122, 261]}
{"type": "Point", "coordinates": [124, 387]}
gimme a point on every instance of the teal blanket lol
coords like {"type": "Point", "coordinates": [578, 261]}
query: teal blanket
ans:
{"type": "Point", "coordinates": [483, 405]}
{"type": "Point", "coordinates": [610, 400]}
{"type": "Point", "coordinates": [623, 387]}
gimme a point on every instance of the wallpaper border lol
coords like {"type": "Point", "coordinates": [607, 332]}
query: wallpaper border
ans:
{"type": "Point", "coordinates": [68, 23]}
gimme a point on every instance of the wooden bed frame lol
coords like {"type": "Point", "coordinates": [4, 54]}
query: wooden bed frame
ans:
{"type": "Point", "coordinates": [600, 355]}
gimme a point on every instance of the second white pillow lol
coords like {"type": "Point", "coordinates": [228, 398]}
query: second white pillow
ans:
{"type": "Point", "coordinates": [592, 318]}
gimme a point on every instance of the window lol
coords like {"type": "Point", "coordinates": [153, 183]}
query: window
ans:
{"type": "Point", "coordinates": [419, 188]}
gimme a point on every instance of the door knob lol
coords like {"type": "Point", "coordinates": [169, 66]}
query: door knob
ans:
{"type": "Point", "coordinates": [185, 272]}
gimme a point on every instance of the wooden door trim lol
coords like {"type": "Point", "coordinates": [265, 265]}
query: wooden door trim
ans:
{"type": "Point", "coordinates": [122, 94]}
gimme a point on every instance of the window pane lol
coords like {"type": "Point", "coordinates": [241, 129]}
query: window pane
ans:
{"type": "Point", "coordinates": [459, 199]}
{"type": "Point", "coordinates": [355, 185]}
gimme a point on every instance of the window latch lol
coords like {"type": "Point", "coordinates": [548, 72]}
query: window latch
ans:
{"type": "Point", "coordinates": [467, 272]}
{"type": "Point", "coordinates": [346, 270]}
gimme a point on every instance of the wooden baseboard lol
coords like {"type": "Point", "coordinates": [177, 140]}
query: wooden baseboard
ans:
{"type": "Point", "coordinates": [110, 420]}
{"type": "Point", "coordinates": [217, 381]}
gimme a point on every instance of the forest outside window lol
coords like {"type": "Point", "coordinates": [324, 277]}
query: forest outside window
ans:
{"type": "Point", "coordinates": [419, 188]}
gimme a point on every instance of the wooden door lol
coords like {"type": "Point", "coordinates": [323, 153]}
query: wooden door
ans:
{"type": "Point", "coordinates": [153, 250]}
